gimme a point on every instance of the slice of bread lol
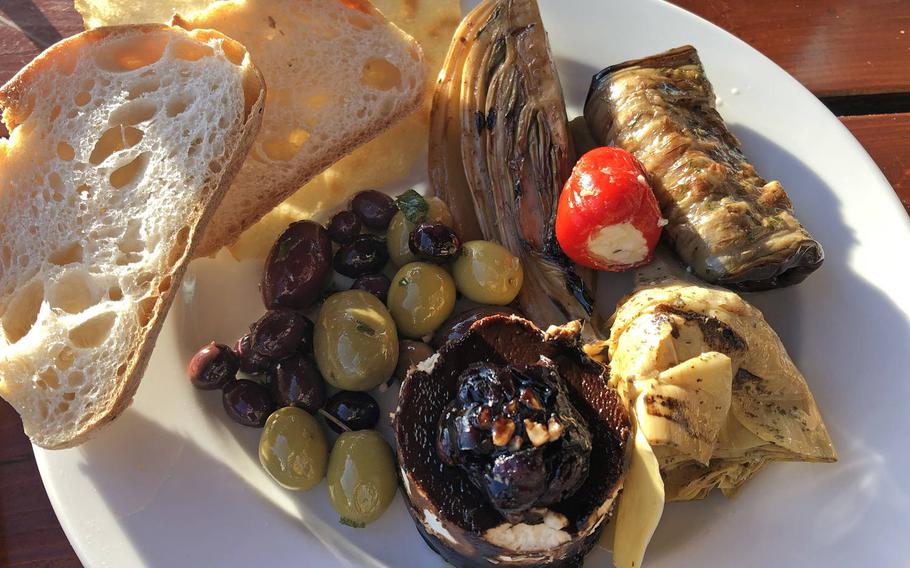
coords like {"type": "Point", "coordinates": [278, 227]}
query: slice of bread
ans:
{"type": "Point", "coordinates": [338, 72]}
{"type": "Point", "coordinates": [123, 141]}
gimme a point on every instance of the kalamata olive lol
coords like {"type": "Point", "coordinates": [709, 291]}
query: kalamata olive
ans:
{"type": "Point", "coordinates": [293, 449]}
{"type": "Point", "coordinates": [356, 343]}
{"type": "Point", "coordinates": [361, 477]}
{"type": "Point", "coordinates": [344, 227]}
{"type": "Point", "coordinates": [279, 334]}
{"type": "Point", "coordinates": [456, 326]}
{"type": "Point", "coordinates": [376, 284]}
{"type": "Point", "coordinates": [366, 255]}
{"type": "Point", "coordinates": [410, 353]}
{"type": "Point", "coordinates": [434, 242]}
{"type": "Point", "coordinates": [213, 366]}
{"type": "Point", "coordinates": [247, 402]}
{"type": "Point", "coordinates": [297, 382]}
{"type": "Point", "coordinates": [298, 267]}
{"type": "Point", "coordinates": [251, 362]}
{"type": "Point", "coordinates": [374, 208]}
{"type": "Point", "coordinates": [306, 342]}
{"type": "Point", "coordinates": [399, 233]}
{"type": "Point", "coordinates": [422, 296]}
{"type": "Point", "coordinates": [356, 410]}
{"type": "Point", "coordinates": [487, 273]}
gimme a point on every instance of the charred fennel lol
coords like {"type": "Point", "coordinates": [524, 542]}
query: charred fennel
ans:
{"type": "Point", "coordinates": [730, 225]}
{"type": "Point", "coordinates": [500, 151]}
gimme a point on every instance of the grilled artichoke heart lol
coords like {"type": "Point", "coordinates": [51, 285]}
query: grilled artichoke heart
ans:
{"type": "Point", "coordinates": [500, 151]}
{"type": "Point", "coordinates": [731, 226]}
{"type": "Point", "coordinates": [711, 386]}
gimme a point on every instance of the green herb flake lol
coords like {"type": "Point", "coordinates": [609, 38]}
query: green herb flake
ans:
{"type": "Point", "coordinates": [404, 282]}
{"type": "Point", "coordinates": [364, 329]}
{"type": "Point", "coordinates": [284, 247]}
{"type": "Point", "coordinates": [413, 205]}
{"type": "Point", "coordinates": [351, 523]}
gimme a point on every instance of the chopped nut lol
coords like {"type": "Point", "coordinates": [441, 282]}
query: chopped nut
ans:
{"type": "Point", "coordinates": [503, 428]}
{"type": "Point", "coordinates": [515, 443]}
{"type": "Point", "coordinates": [512, 408]}
{"type": "Point", "coordinates": [529, 398]}
{"type": "Point", "coordinates": [537, 433]}
{"type": "Point", "coordinates": [483, 418]}
{"type": "Point", "coordinates": [554, 429]}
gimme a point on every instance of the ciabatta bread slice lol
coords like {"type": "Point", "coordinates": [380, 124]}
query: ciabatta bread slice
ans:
{"type": "Point", "coordinates": [123, 141]}
{"type": "Point", "coordinates": [338, 72]}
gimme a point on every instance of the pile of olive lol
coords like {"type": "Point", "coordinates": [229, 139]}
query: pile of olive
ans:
{"type": "Point", "coordinates": [289, 363]}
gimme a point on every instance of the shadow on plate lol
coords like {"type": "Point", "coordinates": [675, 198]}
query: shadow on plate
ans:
{"type": "Point", "coordinates": [150, 473]}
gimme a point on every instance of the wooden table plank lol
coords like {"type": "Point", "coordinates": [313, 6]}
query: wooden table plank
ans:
{"type": "Point", "coordinates": [30, 534]}
{"type": "Point", "coordinates": [26, 30]}
{"type": "Point", "coordinates": [834, 47]}
{"type": "Point", "coordinates": [887, 139]}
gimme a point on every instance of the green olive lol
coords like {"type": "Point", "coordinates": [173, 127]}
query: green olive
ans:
{"type": "Point", "coordinates": [292, 449]}
{"type": "Point", "coordinates": [438, 212]}
{"type": "Point", "coordinates": [361, 477]}
{"type": "Point", "coordinates": [400, 230]}
{"type": "Point", "coordinates": [355, 341]}
{"type": "Point", "coordinates": [487, 273]}
{"type": "Point", "coordinates": [397, 240]}
{"type": "Point", "coordinates": [421, 297]}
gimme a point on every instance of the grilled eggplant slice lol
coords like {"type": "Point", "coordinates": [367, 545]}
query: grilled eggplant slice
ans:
{"type": "Point", "coordinates": [500, 151]}
{"type": "Point", "coordinates": [731, 226]}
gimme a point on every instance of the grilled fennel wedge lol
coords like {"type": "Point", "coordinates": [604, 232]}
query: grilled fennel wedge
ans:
{"type": "Point", "coordinates": [731, 226]}
{"type": "Point", "coordinates": [710, 384]}
{"type": "Point", "coordinates": [500, 151]}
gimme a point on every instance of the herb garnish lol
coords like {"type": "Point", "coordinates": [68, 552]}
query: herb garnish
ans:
{"type": "Point", "coordinates": [351, 523]}
{"type": "Point", "coordinates": [364, 329]}
{"type": "Point", "coordinates": [413, 205]}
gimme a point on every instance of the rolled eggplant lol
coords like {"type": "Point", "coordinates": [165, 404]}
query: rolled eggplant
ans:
{"type": "Point", "coordinates": [730, 225]}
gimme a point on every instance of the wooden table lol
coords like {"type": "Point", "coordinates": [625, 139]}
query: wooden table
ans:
{"type": "Point", "coordinates": [855, 56]}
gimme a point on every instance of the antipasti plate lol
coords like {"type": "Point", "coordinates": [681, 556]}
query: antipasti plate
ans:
{"type": "Point", "coordinates": [175, 483]}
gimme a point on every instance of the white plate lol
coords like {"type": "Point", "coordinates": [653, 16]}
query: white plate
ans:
{"type": "Point", "coordinates": [174, 483]}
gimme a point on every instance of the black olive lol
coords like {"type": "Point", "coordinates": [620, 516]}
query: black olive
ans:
{"type": "Point", "coordinates": [280, 333]}
{"type": "Point", "coordinates": [251, 362]}
{"type": "Point", "coordinates": [344, 227]}
{"type": "Point", "coordinates": [356, 410]}
{"type": "Point", "coordinates": [247, 402]}
{"type": "Point", "coordinates": [374, 208]}
{"type": "Point", "coordinates": [213, 366]}
{"type": "Point", "coordinates": [434, 242]}
{"type": "Point", "coordinates": [297, 382]}
{"type": "Point", "coordinates": [376, 284]}
{"type": "Point", "coordinates": [298, 267]}
{"type": "Point", "coordinates": [366, 255]}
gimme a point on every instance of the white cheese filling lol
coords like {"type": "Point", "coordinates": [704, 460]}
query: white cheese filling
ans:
{"type": "Point", "coordinates": [529, 538]}
{"type": "Point", "coordinates": [618, 244]}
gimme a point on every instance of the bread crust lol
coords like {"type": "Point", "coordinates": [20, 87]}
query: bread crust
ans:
{"type": "Point", "coordinates": [213, 191]}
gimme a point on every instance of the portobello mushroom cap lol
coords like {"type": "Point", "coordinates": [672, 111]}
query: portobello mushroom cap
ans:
{"type": "Point", "coordinates": [455, 517]}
